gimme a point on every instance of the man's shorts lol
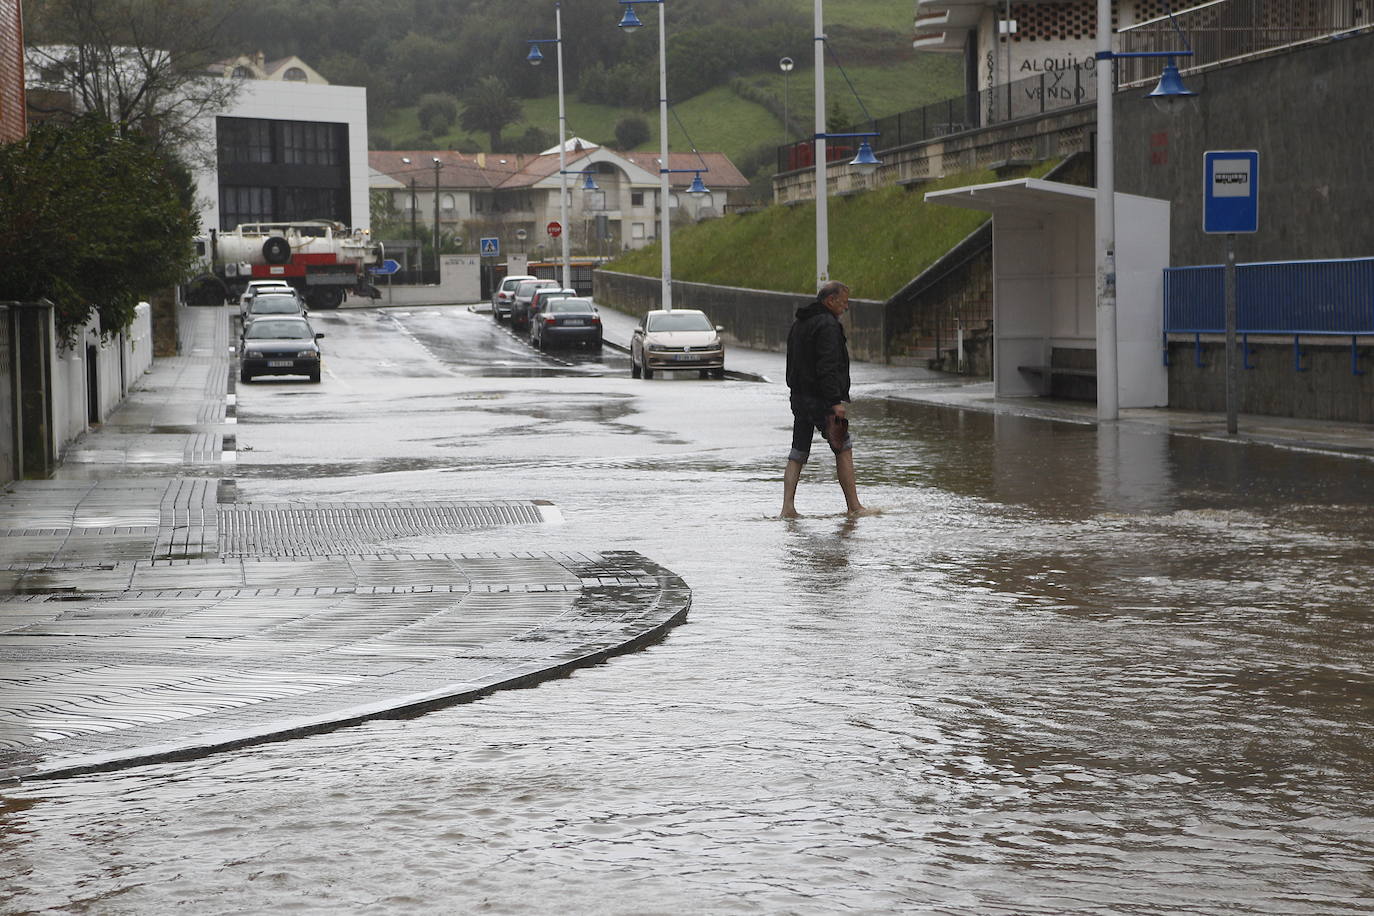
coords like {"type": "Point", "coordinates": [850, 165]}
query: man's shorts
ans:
{"type": "Point", "coordinates": [808, 418]}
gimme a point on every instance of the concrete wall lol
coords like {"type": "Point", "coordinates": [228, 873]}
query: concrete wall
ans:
{"type": "Point", "coordinates": [460, 283]}
{"type": "Point", "coordinates": [1326, 390]}
{"type": "Point", "coordinates": [759, 319]}
{"type": "Point", "coordinates": [1306, 111]}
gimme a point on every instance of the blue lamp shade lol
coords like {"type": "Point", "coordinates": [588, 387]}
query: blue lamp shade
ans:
{"type": "Point", "coordinates": [1170, 85]}
{"type": "Point", "coordinates": [535, 57]}
{"type": "Point", "coordinates": [590, 183]}
{"type": "Point", "coordinates": [697, 186]}
{"type": "Point", "coordinates": [865, 163]}
{"type": "Point", "coordinates": [630, 22]}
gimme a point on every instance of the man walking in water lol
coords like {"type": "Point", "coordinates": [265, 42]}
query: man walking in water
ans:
{"type": "Point", "coordinates": [818, 376]}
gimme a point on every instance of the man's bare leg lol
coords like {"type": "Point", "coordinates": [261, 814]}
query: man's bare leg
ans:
{"type": "Point", "coordinates": [790, 476]}
{"type": "Point", "coordinates": [844, 473]}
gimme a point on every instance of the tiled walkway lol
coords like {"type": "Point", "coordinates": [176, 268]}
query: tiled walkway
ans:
{"type": "Point", "coordinates": [144, 614]}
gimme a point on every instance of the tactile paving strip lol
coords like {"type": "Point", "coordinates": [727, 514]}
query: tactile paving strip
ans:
{"type": "Point", "coordinates": [263, 529]}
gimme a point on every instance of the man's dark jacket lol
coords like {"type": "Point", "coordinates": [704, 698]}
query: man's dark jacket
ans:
{"type": "Point", "coordinates": [818, 356]}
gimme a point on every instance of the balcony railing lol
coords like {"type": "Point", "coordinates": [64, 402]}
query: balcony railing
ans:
{"type": "Point", "coordinates": [1226, 30]}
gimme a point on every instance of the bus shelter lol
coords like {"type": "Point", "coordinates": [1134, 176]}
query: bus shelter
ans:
{"type": "Point", "coordinates": [1044, 292]}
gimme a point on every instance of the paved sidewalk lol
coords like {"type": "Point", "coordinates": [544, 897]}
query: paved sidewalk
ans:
{"type": "Point", "coordinates": [146, 614]}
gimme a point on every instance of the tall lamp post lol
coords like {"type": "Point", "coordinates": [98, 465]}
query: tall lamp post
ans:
{"type": "Point", "coordinates": [414, 229]}
{"type": "Point", "coordinates": [1170, 89]}
{"type": "Point", "coordinates": [785, 65]}
{"type": "Point", "coordinates": [630, 23]}
{"type": "Point", "coordinates": [535, 58]}
{"type": "Point", "coordinates": [865, 163]}
{"type": "Point", "coordinates": [437, 166]}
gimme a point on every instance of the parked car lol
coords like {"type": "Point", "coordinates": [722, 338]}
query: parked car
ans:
{"type": "Point", "coordinates": [677, 339]}
{"type": "Point", "coordinates": [568, 319]}
{"type": "Point", "coordinates": [269, 302]}
{"type": "Point", "coordinates": [541, 297]}
{"type": "Point", "coordinates": [280, 346]}
{"type": "Point", "coordinates": [505, 292]}
{"type": "Point", "coordinates": [258, 287]}
{"type": "Point", "coordinates": [520, 305]}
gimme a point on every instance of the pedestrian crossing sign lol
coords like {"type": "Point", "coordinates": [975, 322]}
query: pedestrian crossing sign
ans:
{"type": "Point", "coordinates": [491, 248]}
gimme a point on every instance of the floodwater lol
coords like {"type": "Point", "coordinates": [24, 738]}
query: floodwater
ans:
{"type": "Point", "coordinates": [1067, 670]}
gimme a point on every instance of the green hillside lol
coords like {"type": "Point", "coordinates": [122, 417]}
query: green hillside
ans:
{"type": "Point", "coordinates": [879, 241]}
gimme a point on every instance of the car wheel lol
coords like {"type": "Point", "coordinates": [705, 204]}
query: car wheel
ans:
{"type": "Point", "coordinates": [718, 373]}
{"type": "Point", "coordinates": [704, 373]}
{"type": "Point", "coordinates": [315, 376]}
{"type": "Point", "coordinates": [245, 376]}
{"type": "Point", "coordinates": [634, 368]}
{"type": "Point", "coordinates": [541, 344]}
{"type": "Point", "coordinates": [648, 373]}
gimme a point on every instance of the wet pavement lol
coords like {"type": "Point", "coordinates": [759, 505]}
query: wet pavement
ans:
{"type": "Point", "coordinates": [1070, 668]}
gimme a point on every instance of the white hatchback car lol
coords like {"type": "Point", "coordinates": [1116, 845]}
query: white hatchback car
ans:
{"type": "Point", "coordinates": [505, 294]}
{"type": "Point", "coordinates": [677, 339]}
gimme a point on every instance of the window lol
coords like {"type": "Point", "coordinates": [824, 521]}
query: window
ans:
{"type": "Point", "coordinates": [238, 205]}
{"type": "Point", "coordinates": [242, 73]}
{"type": "Point", "coordinates": [636, 230]}
{"type": "Point", "coordinates": [296, 75]}
{"type": "Point", "coordinates": [448, 202]}
{"type": "Point", "coordinates": [244, 140]}
{"type": "Point", "coordinates": [309, 203]}
{"type": "Point", "coordinates": [311, 143]}
{"type": "Point", "coordinates": [636, 198]}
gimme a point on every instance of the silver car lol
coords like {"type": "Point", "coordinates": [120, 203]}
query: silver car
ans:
{"type": "Point", "coordinates": [505, 294]}
{"type": "Point", "coordinates": [676, 340]}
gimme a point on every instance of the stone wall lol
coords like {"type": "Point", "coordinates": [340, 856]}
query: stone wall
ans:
{"type": "Point", "coordinates": [1325, 390]}
{"type": "Point", "coordinates": [753, 318]}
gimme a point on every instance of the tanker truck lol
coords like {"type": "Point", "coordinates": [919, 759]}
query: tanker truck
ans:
{"type": "Point", "coordinates": [322, 259]}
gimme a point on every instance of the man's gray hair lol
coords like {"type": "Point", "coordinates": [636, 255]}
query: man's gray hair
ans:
{"type": "Point", "coordinates": [831, 288]}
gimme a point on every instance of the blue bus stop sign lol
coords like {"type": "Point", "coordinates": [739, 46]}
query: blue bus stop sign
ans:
{"type": "Point", "coordinates": [1230, 185]}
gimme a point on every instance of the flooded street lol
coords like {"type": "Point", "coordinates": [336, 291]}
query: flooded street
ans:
{"type": "Point", "coordinates": [1066, 670]}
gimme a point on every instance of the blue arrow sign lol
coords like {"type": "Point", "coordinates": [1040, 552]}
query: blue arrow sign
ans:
{"type": "Point", "coordinates": [386, 267]}
{"type": "Point", "coordinates": [491, 248]}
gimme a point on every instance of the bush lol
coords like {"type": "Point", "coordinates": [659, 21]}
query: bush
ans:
{"type": "Point", "coordinates": [89, 219]}
{"type": "Point", "coordinates": [437, 112]}
{"type": "Point", "coordinates": [630, 132]}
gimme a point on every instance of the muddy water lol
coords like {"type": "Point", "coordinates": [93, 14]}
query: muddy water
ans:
{"type": "Point", "coordinates": [1066, 671]}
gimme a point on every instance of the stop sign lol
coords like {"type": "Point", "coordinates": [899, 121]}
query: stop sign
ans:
{"type": "Point", "coordinates": [555, 229]}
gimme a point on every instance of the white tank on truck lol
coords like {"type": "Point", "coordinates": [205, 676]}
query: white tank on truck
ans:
{"type": "Point", "coordinates": [322, 259]}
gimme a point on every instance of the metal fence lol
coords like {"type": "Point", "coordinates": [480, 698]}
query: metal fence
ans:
{"type": "Point", "coordinates": [1333, 298]}
{"type": "Point", "coordinates": [1031, 97]}
{"type": "Point", "coordinates": [1229, 29]}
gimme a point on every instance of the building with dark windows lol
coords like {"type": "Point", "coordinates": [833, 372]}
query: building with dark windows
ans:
{"type": "Point", "coordinates": [287, 149]}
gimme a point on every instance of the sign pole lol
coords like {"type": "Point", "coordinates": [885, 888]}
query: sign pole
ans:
{"type": "Point", "coordinates": [1231, 360]}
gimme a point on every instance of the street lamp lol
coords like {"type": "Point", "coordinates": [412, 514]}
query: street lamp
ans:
{"type": "Point", "coordinates": [630, 23]}
{"type": "Point", "coordinates": [414, 230]}
{"type": "Point", "coordinates": [1170, 88]}
{"type": "Point", "coordinates": [865, 163]}
{"type": "Point", "coordinates": [785, 65]}
{"type": "Point", "coordinates": [535, 58]}
{"type": "Point", "coordinates": [437, 166]}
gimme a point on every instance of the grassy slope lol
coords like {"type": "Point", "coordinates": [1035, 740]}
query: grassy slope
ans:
{"type": "Point", "coordinates": [879, 241]}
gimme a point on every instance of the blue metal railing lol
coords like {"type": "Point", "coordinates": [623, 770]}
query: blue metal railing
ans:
{"type": "Point", "coordinates": [1297, 298]}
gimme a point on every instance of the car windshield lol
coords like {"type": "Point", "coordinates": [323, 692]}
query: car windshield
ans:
{"type": "Point", "coordinates": [275, 305]}
{"type": "Point", "coordinates": [273, 290]}
{"type": "Point", "coordinates": [529, 286]}
{"type": "Point", "coordinates": [278, 329]}
{"type": "Point", "coordinates": [570, 305]}
{"type": "Point", "coordinates": [679, 321]}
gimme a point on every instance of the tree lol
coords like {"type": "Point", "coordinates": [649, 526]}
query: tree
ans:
{"type": "Point", "coordinates": [631, 131]}
{"type": "Point", "coordinates": [489, 107]}
{"type": "Point", "coordinates": [90, 219]}
{"type": "Point", "coordinates": [142, 65]}
{"type": "Point", "coordinates": [437, 112]}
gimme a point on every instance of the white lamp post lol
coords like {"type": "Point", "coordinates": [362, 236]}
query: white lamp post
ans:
{"type": "Point", "coordinates": [535, 58]}
{"type": "Point", "coordinates": [1170, 87]}
{"type": "Point", "coordinates": [785, 65]}
{"type": "Point", "coordinates": [865, 163]}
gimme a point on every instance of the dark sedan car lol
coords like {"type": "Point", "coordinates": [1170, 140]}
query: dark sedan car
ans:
{"type": "Point", "coordinates": [570, 321]}
{"type": "Point", "coordinates": [280, 346]}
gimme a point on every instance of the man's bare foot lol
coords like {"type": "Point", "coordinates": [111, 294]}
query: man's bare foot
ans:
{"type": "Point", "coordinates": [863, 512]}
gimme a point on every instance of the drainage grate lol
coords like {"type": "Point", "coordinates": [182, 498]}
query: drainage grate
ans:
{"type": "Point", "coordinates": [319, 529]}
